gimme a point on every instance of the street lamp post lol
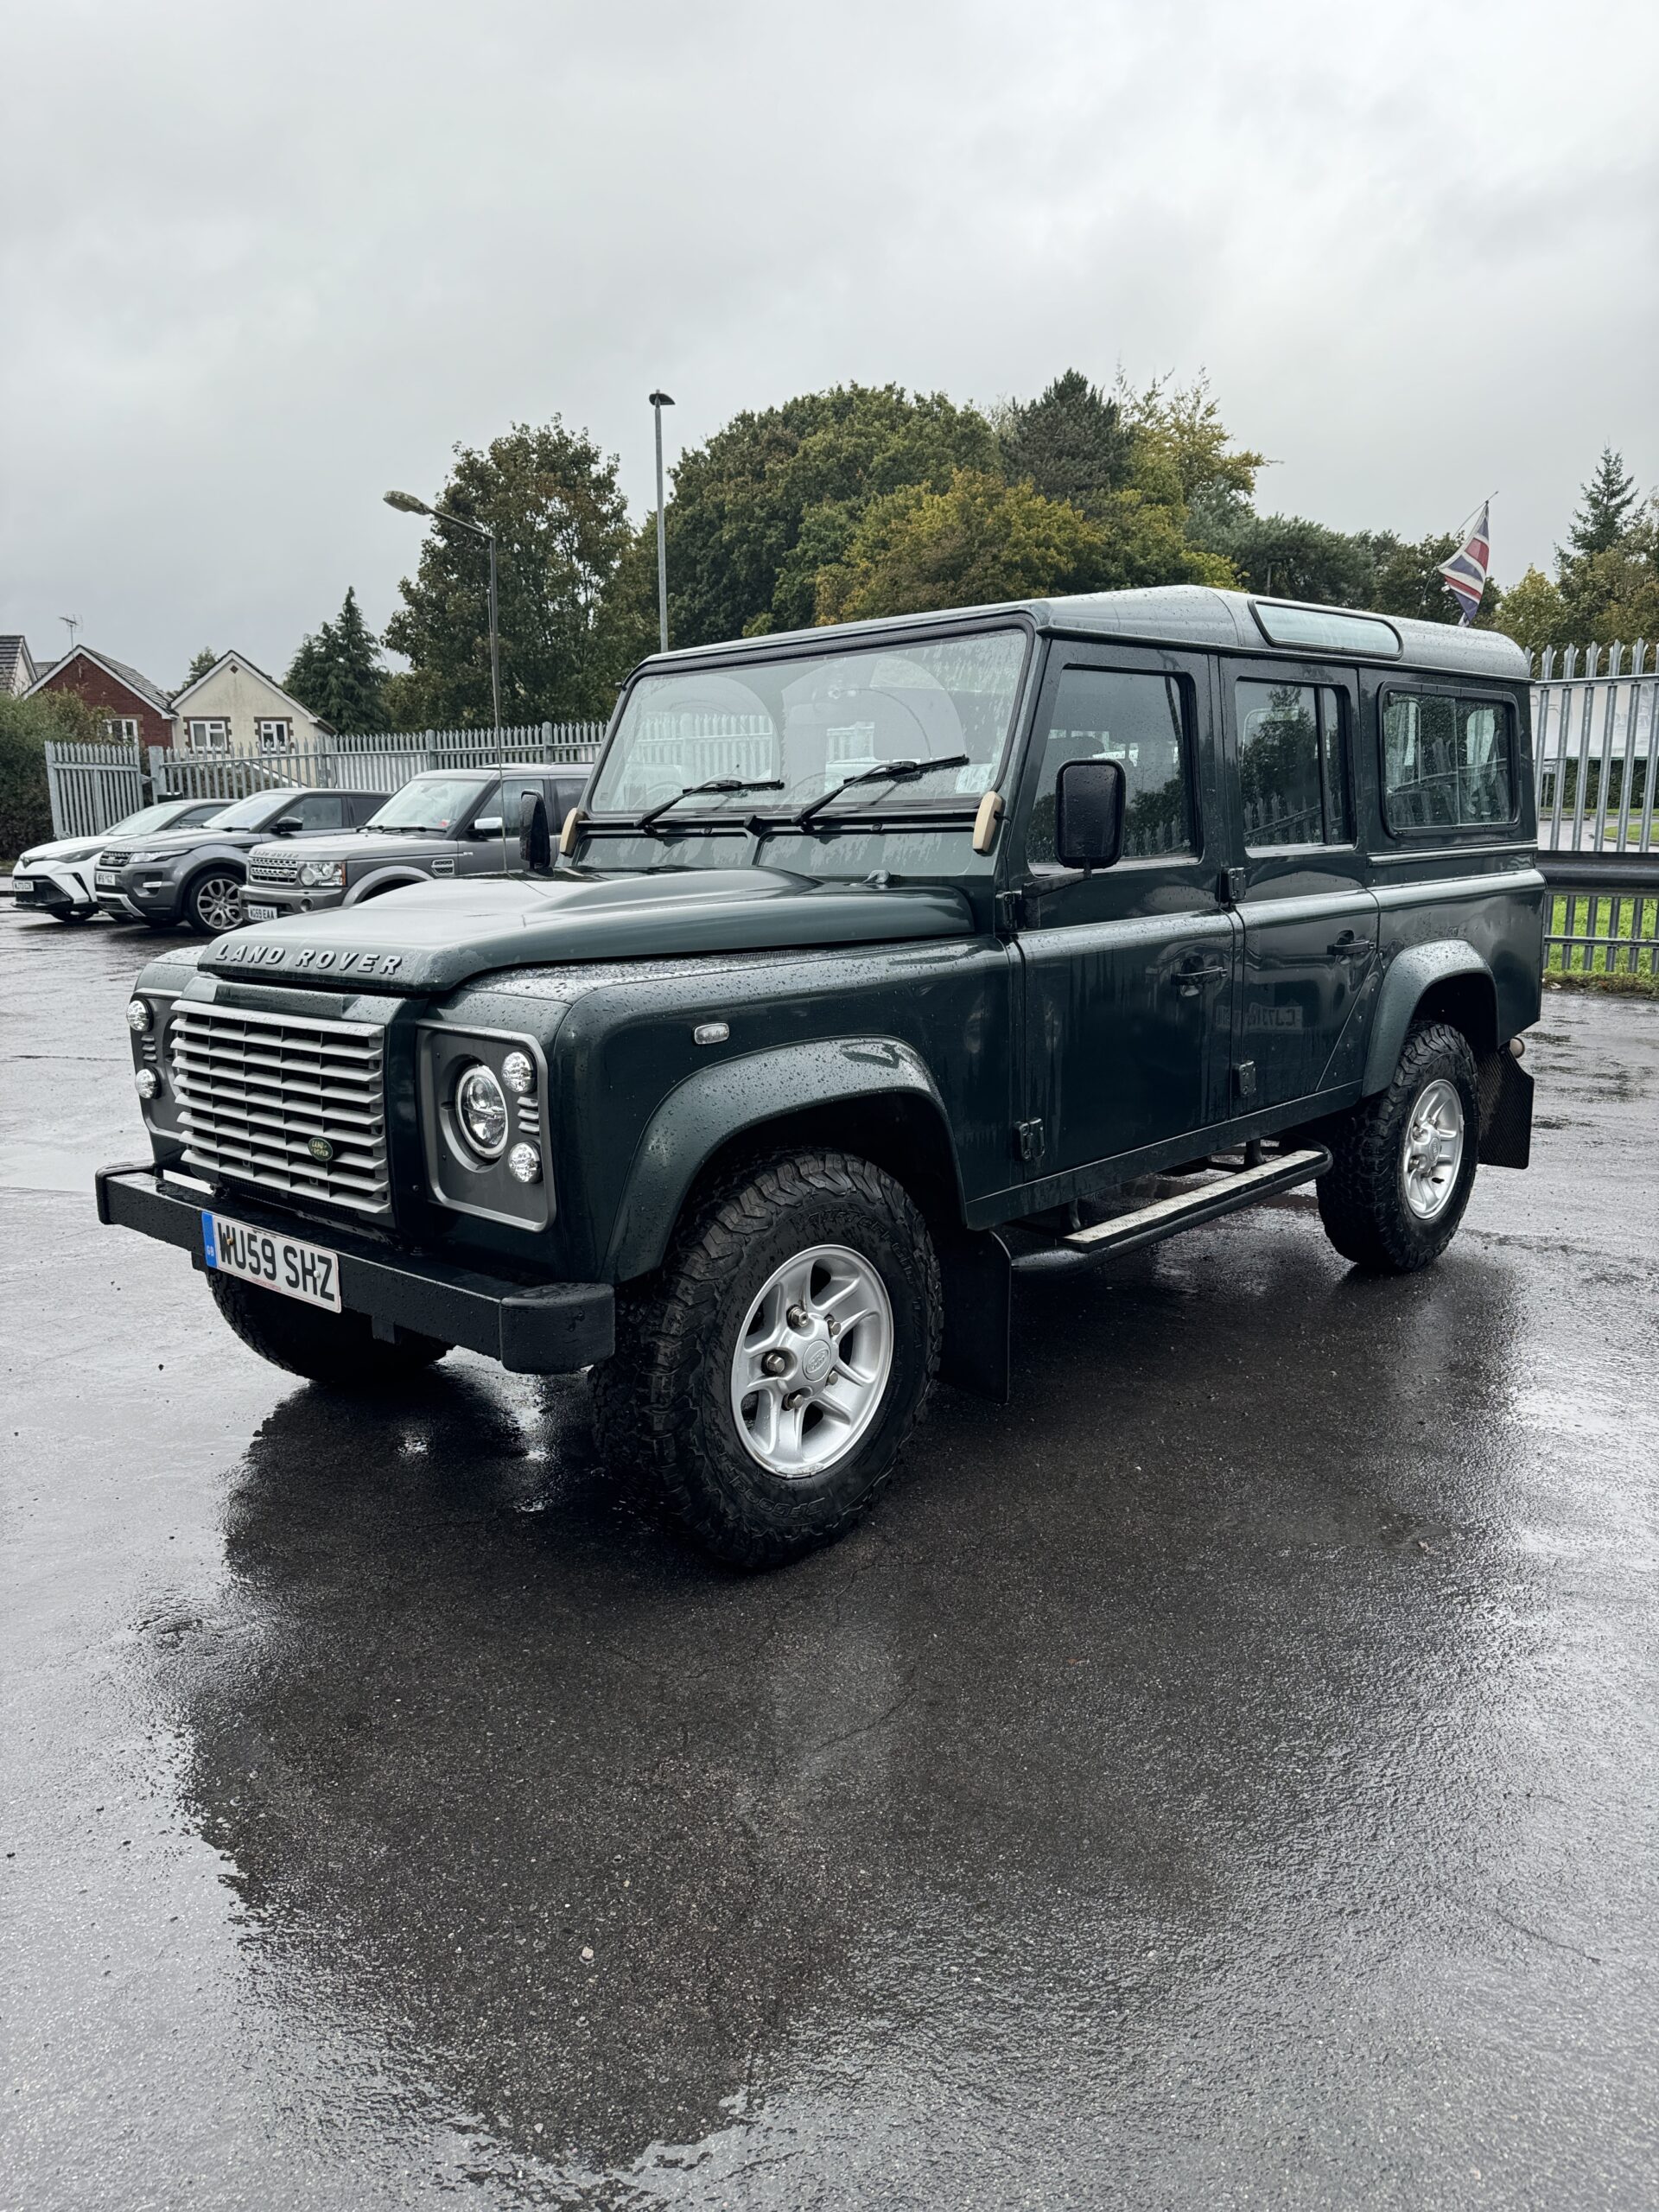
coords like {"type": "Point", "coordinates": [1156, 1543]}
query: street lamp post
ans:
{"type": "Point", "coordinates": [658, 400]}
{"type": "Point", "coordinates": [407, 504]}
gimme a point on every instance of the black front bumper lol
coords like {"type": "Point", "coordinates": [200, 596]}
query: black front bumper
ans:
{"type": "Point", "coordinates": [532, 1328]}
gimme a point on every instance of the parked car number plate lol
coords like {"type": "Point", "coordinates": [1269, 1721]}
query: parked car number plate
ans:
{"type": "Point", "coordinates": [22, 886]}
{"type": "Point", "coordinates": [302, 1271]}
{"type": "Point", "coordinates": [108, 878]}
{"type": "Point", "coordinates": [258, 913]}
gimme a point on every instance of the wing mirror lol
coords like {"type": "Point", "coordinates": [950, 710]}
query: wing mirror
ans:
{"type": "Point", "coordinates": [535, 841]}
{"type": "Point", "coordinates": [1089, 813]}
{"type": "Point", "coordinates": [487, 825]}
{"type": "Point", "coordinates": [286, 824]}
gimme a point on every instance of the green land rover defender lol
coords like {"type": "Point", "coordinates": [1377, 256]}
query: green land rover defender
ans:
{"type": "Point", "coordinates": [874, 959]}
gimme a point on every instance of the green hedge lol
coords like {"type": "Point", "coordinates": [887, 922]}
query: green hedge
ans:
{"type": "Point", "coordinates": [25, 726]}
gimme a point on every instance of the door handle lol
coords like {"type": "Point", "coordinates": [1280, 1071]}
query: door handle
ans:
{"type": "Point", "coordinates": [1195, 976]}
{"type": "Point", "coordinates": [1350, 945]}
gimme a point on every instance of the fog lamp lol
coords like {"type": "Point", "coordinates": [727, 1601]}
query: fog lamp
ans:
{"type": "Point", "coordinates": [147, 1082]}
{"type": "Point", "coordinates": [138, 1015]}
{"type": "Point", "coordinates": [524, 1162]}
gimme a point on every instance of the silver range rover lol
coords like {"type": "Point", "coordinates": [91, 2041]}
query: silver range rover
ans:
{"type": "Point", "coordinates": [448, 823]}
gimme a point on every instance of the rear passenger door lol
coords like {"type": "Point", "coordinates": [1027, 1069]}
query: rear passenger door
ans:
{"type": "Point", "coordinates": [1310, 946]}
{"type": "Point", "coordinates": [1127, 970]}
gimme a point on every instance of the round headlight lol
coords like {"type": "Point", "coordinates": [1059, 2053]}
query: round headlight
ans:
{"type": "Point", "coordinates": [138, 1015]}
{"type": "Point", "coordinates": [525, 1162]}
{"type": "Point", "coordinates": [518, 1073]}
{"type": "Point", "coordinates": [481, 1112]}
{"type": "Point", "coordinates": [147, 1082]}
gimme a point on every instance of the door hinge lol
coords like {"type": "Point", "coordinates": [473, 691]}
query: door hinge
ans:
{"type": "Point", "coordinates": [1010, 911]}
{"type": "Point", "coordinates": [1231, 884]}
{"type": "Point", "coordinates": [1244, 1077]}
{"type": "Point", "coordinates": [1028, 1140]}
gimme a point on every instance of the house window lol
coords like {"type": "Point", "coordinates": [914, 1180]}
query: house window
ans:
{"type": "Point", "coordinates": [207, 736]}
{"type": "Point", "coordinates": [122, 729]}
{"type": "Point", "coordinates": [275, 735]}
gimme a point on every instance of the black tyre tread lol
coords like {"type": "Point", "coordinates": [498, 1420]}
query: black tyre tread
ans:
{"type": "Point", "coordinates": [1361, 1203]}
{"type": "Point", "coordinates": [646, 1395]}
{"type": "Point", "coordinates": [336, 1348]}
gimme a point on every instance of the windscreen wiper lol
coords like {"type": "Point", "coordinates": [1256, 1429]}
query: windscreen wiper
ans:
{"type": "Point", "coordinates": [717, 784]}
{"type": "Point", "coordinates": [897, 772]}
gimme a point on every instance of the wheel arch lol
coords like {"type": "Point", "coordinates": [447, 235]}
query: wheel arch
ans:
{"type": "Point", "coordinates": [1444, 981]}
{"type": "Point", "coordinates": [872, 1096]}
{"type": "Point", "coordinates": [374, 886]}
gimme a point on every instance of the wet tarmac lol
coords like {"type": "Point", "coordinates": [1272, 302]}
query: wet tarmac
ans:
{"type": "Point", "coordinates": [1225, 1778]}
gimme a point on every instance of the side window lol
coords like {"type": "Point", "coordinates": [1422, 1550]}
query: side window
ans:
{"type": "Point", "coordinates": [1141, 721]}
{"type": "Point", "coordinates": [320, 811]}
{"type": "Point", "coordinates": [1446, 762]}
{"type": "Point", "coordinates": [1483, 761]}
{"type": "Point", "coordinates": [1292, 767]}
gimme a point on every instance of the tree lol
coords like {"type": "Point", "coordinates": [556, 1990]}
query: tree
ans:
{"type": "Point", "coordinates": [561, 528]}
{"type": "Point", "coordinates": [1612, 596]}
{"type": "Point", "coordinates": [981, 540]}
{"type": "Point", "coordinates": [338, 672]}
{"type": "Point", "coordinates": [1603, 510]}
{"type": "Point", "coordinates": [205, 659]}
{"type": "Point", "coordinates": [26, 725]}
{"type": "Point", "coordinates": [1072, 443]}
{"type": "Point", "coordinates": [1536, 614]}
{"type": "Point", "coordinates": [1184, 453]}
{"type": "Point", "coordinates": [1286, 557]}
{"type": "Point", "coordinates": [775, 496]}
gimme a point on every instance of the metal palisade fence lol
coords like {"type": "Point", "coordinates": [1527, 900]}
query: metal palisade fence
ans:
{"type": "Point", "coordinates": [93, 785]}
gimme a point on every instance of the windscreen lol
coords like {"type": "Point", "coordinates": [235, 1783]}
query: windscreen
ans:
{"type": "Point", "coordinates": [168, 814]}
{"type": "Point", "coordinates": [811, 722]}
{"type": "Point", "coordinates": [429, 803]}
{"type": "Point", "coordinates": [256, 813]}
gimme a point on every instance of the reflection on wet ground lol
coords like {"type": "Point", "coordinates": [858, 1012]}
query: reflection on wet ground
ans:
{"type": "Point", "coordinates": [1222, 1777]}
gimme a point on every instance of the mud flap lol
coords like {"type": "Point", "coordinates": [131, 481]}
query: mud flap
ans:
{"type": "Point", "coordinates": [1505, 1111]}
{"type": "Point", "coordinates": [978, 1312]}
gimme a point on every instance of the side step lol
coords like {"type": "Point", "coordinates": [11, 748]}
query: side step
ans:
{"type": "Point", "coordinates": [1127, 1232]}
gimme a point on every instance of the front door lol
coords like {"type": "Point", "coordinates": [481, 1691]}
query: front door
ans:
{"type": "Point", "coordinates": [1129, 970]}
{"type": "Point", "coordinates": [1310, 921]}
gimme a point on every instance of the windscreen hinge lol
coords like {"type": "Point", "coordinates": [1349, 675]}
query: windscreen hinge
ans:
{"type": "Point", "coordinates": [1028, 1140]}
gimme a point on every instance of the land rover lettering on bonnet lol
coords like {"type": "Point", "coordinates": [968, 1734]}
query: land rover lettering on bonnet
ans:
{"type": "Point", "coordinates": [873, 964]}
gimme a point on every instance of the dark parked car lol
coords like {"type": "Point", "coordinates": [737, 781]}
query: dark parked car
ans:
{"type": "Point", "coordinates": [448, 822]}
{"type": "Point", "coordinates": [881, 956]}
{"type": "Point", "coordinates": [196, 875]}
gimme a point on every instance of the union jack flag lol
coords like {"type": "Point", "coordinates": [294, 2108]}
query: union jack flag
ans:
{"type": "Point", "coordinates": [1465, 572]}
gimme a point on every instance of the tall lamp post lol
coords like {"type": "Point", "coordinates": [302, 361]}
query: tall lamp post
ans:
{"type": "Point", "coordinates": [407, 504]}
{"type": "Point", "coordinates": [658, 400]}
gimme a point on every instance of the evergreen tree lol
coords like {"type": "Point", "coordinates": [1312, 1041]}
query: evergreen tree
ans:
{"type": "Point", "coordinates": [205, 659]}
{"type": "Point", "coordinates": [1072, 443]}
{"type": "Point", "coordinates": [1604, 512]}
{"type": "Point", "coordinates": [338, 674]}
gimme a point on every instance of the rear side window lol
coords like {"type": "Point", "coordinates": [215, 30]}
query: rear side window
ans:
{"type": "Point", "coordinates": [1293, 766]}
{"type": "Point", "coordinates": [1103, 714]}
{"type": "Point", "coordinates": [1446, 761]}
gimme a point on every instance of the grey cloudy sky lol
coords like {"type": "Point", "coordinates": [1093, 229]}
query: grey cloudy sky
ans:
{"type": "Point", "coordinates": [260, 263]}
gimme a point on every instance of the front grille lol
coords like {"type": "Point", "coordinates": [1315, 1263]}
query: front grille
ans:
{"type": "Point", "coordinates": [280, 870]}
{"type": "Point", "coordinates": [113, 858]}
{"type": "Point", "coordinates": [255, 1090]}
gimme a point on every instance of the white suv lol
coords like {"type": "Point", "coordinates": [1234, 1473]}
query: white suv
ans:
{"type": "Point", "coordinates": [57, 878]}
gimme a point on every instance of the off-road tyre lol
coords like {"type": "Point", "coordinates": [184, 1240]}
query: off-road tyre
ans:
{"type": "Point", "coordinates": [202, 892]}
{"type": "Point", "coordinates": [1362, 1200]}
{"type": "Point", "coordinates": [663, 1402]}
{"type": "Point", "coordinates": [339, 1348]}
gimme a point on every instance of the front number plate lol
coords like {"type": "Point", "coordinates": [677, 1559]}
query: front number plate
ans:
{"type": "Point", "coordinates": [107, 878]}
{"type": "Point", "coordinates": [258, 913]}
{"type": "Point", "coordinates": [282, 1263]}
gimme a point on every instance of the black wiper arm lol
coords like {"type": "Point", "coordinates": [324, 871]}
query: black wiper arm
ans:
{"type": "Point", "coordinates": [896, 772]}
{"type": "Point", "coordinates": [715, 784]}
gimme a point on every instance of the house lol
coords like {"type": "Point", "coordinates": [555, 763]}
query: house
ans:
{"type": "Point", "coordinates": [134, 708]}
{"type": "Point", "coordinates": [17, 668]}
{"type": "Point", "coordinates": [237, 708]}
